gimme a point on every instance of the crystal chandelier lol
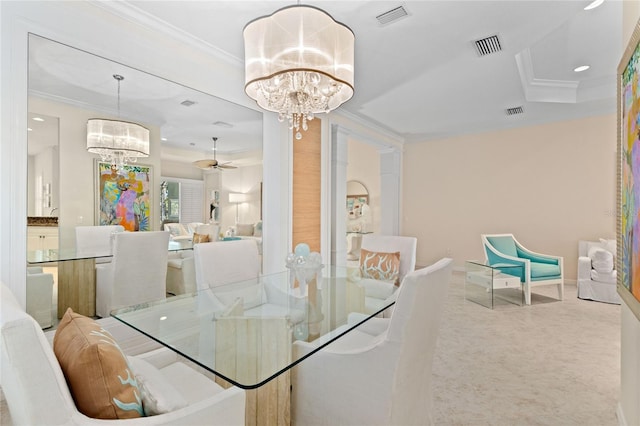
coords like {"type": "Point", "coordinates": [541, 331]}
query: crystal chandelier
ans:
{"type": "Point", "coordinates": [117, 142]}
{"type": "Point", "coordinates": [298, 62]}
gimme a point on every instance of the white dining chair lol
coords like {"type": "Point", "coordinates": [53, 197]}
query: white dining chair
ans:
{"type": "Point", "coordinates": [136, 274]}
{"type": "Point", "coordinates": [379, 292]}
{"type": "Point", "coordinates": [96, 240]}
{"type": "Point", "coordinates": [379, 373]}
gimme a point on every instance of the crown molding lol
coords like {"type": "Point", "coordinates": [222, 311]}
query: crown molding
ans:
{"type": "Point", "coordinates": [133, 14]}
{"type": "Point", "coordinates": [543, 90]}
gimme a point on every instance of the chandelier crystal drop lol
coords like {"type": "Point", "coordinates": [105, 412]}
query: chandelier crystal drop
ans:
{"type": "Point", "coordinates": [298, 62]}
{"type": "Point", "coordinates": [117, 142]}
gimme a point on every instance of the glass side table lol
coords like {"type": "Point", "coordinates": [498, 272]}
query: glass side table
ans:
{"type": "Point", "coordinates": [493, 285]}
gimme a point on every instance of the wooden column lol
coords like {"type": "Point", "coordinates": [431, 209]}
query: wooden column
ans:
{"type": "Point", "coordinates": [307, 184]}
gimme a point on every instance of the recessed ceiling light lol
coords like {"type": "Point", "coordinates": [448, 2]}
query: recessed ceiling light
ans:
{"type": "Point", "coordinates": [581, 68]}
{"type": "Point", "coordinates": [163, 139]}
{"type": "Point", "coordinates": [29, 129]}
{"type": "Point", "coordinates": [594, 4]}
{"type": "Point", "coordinates": [38, 119]}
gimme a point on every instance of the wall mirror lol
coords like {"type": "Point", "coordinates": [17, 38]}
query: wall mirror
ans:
{"type": "Point", "coordinates": [73, 85]}
{"type": "Point", "coordinates": [358, 211]}
{"type": "Point", "coordinates": [43, 171]}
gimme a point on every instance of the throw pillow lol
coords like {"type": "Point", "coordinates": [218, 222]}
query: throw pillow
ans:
{"type": "Point", "coordinates": [601, 259]}
{"type": "Point", "coordinates": [380, 266]}
{"type": "Point", "coordinates": [200, 238]}
{"type": "Point", "coordinates": [257, 229]}
{"type": "Point", "coordinates": [96, 370]}
{"type": "Point", "coordinates": [158, 395]}
{"type": "Point", "coordinates": [244, 230]}
{"type": "Point", "coordinates": [609, 245]}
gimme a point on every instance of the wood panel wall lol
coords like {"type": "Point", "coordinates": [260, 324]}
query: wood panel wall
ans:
{"type": "Point", "coordinates": [306, 187]}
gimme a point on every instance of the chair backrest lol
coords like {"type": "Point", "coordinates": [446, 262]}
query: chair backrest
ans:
{"type": "Point", "coordinates": [504, 244]}
{"type": "Point", "coordinates": [414, 325]}
{"type": "Point", "coordinates": [390, 244]}
{"type": "Point", "coordinates": [210, 229]}
{"type": "Point", "coordinates": [223, 262]}
{"type": "Point", "coordinates": [32, 380]}
{"type": "Point", "coordinates": [139, 267]}
{"type": "Point", "coordinates": [92, 240]}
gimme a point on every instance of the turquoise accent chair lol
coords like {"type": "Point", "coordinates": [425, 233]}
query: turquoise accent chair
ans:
{"type": "Point", "coordinates": [537, 269]}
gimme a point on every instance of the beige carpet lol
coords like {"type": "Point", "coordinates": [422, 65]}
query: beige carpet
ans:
{"type": "Point", "coordinates": [552, 363]}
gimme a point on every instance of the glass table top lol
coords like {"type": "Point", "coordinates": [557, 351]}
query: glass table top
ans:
{"type": "Point", "coordinates": [71, 253]}
{"type": "Point", "coordinates": [243, 332]}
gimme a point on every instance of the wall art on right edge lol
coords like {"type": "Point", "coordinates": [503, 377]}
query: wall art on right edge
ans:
{"type": "Point", "coordinates": [628, 239]}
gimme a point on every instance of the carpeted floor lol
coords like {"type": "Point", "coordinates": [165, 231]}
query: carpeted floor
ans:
{"type": "Point", "coordinates": [551, 363]}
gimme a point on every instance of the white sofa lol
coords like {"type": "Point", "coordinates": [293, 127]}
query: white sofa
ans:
{"type": "Point", "coordinates": [596, 271]}
{"type": "Point", "coordinates": [37, 393]}
{"type": "Point", "coordinates": [180, 231]}
{"type": "Point", "coordinates": [248, 231]}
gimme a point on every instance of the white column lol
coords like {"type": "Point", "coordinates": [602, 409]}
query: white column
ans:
{"type": "Point", "coordinates": [339, 152]}
{"type": "Point", "coordinates": [390, 162]}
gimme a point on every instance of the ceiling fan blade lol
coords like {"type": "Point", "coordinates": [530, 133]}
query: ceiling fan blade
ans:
{"type": "Point", "coordinates": [205, 164]}
{"type": "Point", "coordinates": [226, 166]}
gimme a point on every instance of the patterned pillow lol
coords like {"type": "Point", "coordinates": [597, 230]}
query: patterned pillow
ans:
{"type": "Point", "coordinates": [101, 382]}
{"type": "Point", "coordinates": [200, 238]}
{"type": "Point", "coordinates": [380, 266]}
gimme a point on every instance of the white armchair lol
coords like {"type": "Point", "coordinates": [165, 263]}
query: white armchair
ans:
{"type": "Point", "coordinates": [378, 292]}
{"type": "Point", "coordinates": [40, 296]}
{"type": "Point", "coordinates": [379, 373]}
{"type": "Point", "coordinates": [597, 277]}
{"type": "Point", "coordinates": [236, 261]}
{"type": "Point", "coordinates": [37, 392]}
{"type": "Point", "coordinates": [136, 274]}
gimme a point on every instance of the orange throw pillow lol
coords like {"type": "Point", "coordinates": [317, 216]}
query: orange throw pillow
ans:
{"type": "Point", "coordinates": [99, 377]}
{"type": "Point", "coordinates": [200, 238]}
{"type": "Point", "coordinates": [380, 266]}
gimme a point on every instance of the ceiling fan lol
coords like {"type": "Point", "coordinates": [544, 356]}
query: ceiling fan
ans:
{"type": "Point", "coordinates": [213, 164]}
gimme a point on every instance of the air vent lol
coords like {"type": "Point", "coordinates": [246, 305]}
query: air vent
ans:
{"type": "Point", "coordinates": [187, 103]}
{"type": "Point", "coordinates": [515, 110]}
{"type": "Point", "coordinates": [392, 15]}
{"type": "Point", "coordinates": [488, 45]}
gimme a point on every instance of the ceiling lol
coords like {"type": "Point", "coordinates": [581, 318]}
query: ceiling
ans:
{"type": "Point", "coordinates": [420, 77]}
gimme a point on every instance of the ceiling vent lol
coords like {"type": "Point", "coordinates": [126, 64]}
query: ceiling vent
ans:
{"type": "Point", "coordinates": [488, 45]}
{"type": "Point", "coordinates": [515, 110]}
{"type": "Point", "coordinates": [187, 103]}
{"type": "Point", "coordinates": [392, 15]}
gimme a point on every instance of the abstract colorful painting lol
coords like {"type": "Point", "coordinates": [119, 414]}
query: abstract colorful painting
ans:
{"type": "Point", "coordinates": [629, 157]}
{"type": "Point", "coordinates": [124, 196]}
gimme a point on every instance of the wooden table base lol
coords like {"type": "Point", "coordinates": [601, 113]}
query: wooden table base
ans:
{"type": "Point", "coordinates": [77, 287]}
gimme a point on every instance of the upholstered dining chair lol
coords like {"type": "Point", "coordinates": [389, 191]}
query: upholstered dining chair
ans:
{"type": "Point", "coordinates": [378, 291]}
{"type": "Point", "coordinates": [136, 274]}
{"type": "Point", "coordinates": [535, 269]}
{"type": "Point", "coordinates": [380, 372]}
{"type": "Point", "coordinates": [224, 262]}
{"type": "Point", "coordinates": [96, 240]}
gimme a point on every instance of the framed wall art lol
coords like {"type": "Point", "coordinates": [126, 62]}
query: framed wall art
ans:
{"type": "Point", "coordinates": [628, 197]}
{"type": "Point", "coordinates": [124, 196]}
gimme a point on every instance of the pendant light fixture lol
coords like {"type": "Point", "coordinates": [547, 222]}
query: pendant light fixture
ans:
{"type": "Point", "coordinates": [118, 142]}
{"type": "Point", "coordinates": [298, 62]}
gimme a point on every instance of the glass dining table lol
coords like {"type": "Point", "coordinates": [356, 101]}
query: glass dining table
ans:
{"type": "Point", "coordinates": [76, 273]}
{"type": "Point", "coordinates": [243, 332]}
